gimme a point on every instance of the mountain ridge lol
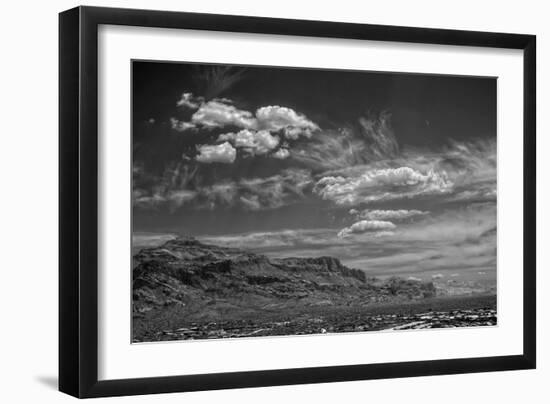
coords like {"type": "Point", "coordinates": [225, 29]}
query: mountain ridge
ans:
{"type": "Point", "coordinates": [190, 280]}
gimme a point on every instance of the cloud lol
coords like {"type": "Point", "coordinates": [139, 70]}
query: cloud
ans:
{"type": "Point", "coordinates": [413, 278]}
{"type": "Point", "coordinates": [364, 226]}
{"type": "Point", "coordinates": [260, 132]}
{"type": "Point", "coordinates": [148, 201]}
{"type": "Point", "coordinates": [480, 192]}
{"type": "Point", "coordinates": [254, 194]}
{"type": "Point", "coordinates": [188, 100]}
{"type": "Point", "coordinates": [386, 214]}
{"type": "Point", "coordinates": [281, 154]}
{"type": "Point", "coordinates": [457, 239]}
{"type": "Point", "coordinates": [252, 202]}
{"type": "Point", "coordinates": [437, 276]}
{"type": "Point", "coordinates": [181, 126]}
{"type": "Point", "coordinates": [217, 114]}
{"type": "Point", "coordinates": [181, 185]}
{"type": "Point", "coordinates": [214, 80]}
{"type": "Point", "coordinates": [275, 118]}
{"type": "Point", "coordinates": [181, 196]}
{"type": "Point", "coordinates": [351, 164]}
{"type": "Point", "coordinates": [430, 246]}
{"type": "Point", "coordinates": [373, 185]}
{"type": "Point", "coordinates": [222, 193]}
{"type": "Point", "coordinates": [378, 135]}
{"type": "Point", "coordinates": [275, 191]}
{"type": "Point", "coordinates": [173, 199]}
{"type": "Point", "coordinates": [255, 143]}
{"type": "Point", "coordinates": [222, 153]}
{"type": "Point", "coordinates": [370, 139]}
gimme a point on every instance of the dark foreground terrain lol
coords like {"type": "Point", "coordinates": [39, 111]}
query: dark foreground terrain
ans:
{"type": "Point", "coordinates": [188, 290]}
{"type": "Point", "coordinates": [445, 312]}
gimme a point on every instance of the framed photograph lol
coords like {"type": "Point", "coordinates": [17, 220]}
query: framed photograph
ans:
{"type": "Point", "coordinates": [252, 202]}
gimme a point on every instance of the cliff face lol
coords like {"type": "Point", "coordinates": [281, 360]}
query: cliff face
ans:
{"type": "Point", "coordinates": [196, 281]}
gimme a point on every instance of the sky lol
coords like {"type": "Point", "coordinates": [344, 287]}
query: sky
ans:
{"type": "Point", "coordinates": [392, 173]}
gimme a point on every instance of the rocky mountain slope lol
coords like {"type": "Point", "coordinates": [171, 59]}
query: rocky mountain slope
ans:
{"type": "Point", "coordinates": [186, 281]}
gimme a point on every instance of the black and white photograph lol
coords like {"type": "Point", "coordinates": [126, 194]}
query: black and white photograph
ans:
{"type": "Point", "coordinates": [272, 201]}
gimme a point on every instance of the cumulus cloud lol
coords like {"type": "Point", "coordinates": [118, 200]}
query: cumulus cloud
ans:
{"type": "Point", "coordinates": [254, 142]}
{"type": "Point", "coordinates": [181, 126]}
{"type": "Point", "coordinates": [364, 226]}
{"type": "Point", "coordinates": [217, 114]}
{"type": "Point", "coordinates": [376, 214]}
{"type": "Point", "coordinates": [281, 154]}
{"type": "Point", "coordinates": [222, 153]}
{"type": "Point", "coordinates": [260, 132]}
{"type": "Point", "coordinates": [413, 278]}
{"type": "Point", "coordinates": [437, 276]}
{"type": "Point", "coordinates": [188, 100]}
{"type": "Point", "coordinates": [372, 185]}
{"type": "Point", "coordinates": [220, 112]}
{"type": "Point", "coordinates": [275, 118]}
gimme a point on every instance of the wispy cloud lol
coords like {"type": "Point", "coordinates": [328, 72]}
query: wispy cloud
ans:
{"type": "Point", "coordinates": [215, 80]}
{"type": "Point", "coordinates": [277, 190]}
{"type": "Point", "coordinates": [180, 188]}
{"type": "Point", "coordinates": [369, 140]}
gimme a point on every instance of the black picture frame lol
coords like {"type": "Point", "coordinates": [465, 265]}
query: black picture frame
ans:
{"type": "Point", "coordinates": [78, 201]}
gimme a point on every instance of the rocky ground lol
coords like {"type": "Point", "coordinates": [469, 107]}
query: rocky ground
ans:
{"type": "Point", "coordinates": [405, 317]}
